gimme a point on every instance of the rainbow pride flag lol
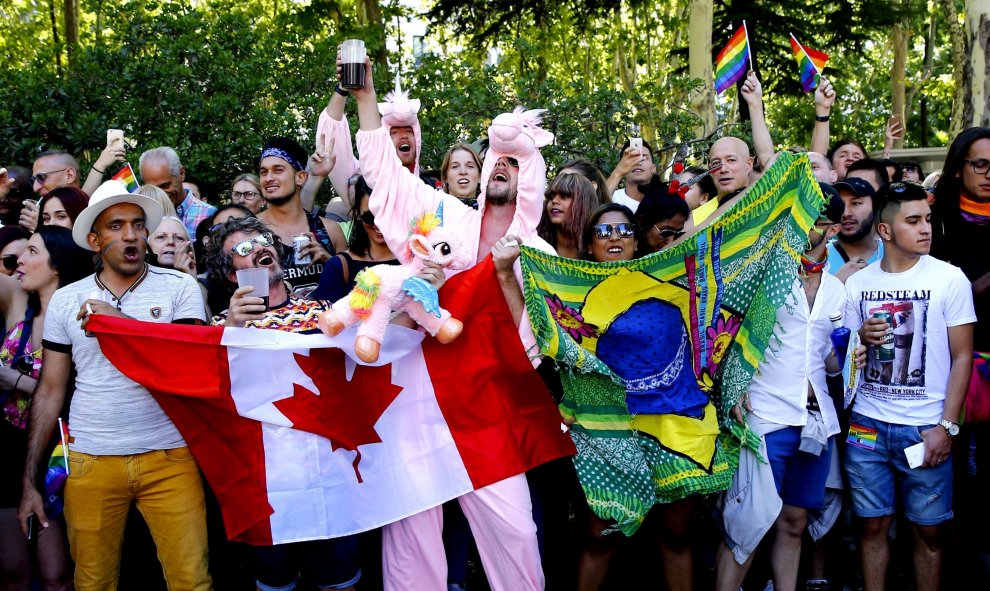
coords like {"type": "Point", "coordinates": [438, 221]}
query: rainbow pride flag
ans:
{"type": "Point", "coordinates": [126, 175]}
{"type": "Point", "coordinates": [730, 63]}
{"type": "Point", "coordinates": [811, 62]}
{"type": "Point", "coordinates": [58, 472]}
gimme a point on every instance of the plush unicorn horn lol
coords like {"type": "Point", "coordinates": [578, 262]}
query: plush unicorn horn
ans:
{"type": "Point", "coordinates": [399, 110]}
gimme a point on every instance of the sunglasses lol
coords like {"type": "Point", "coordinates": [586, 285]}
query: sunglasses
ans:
{"type": "Point", "coordinates": [247, 247]}
{"type": "Point", "coordinates": [604, 231]}
{"type": "Point", "coordinates": [9, 262]}
{"type": "Point", "coordinates": [368, 218]}
{"type": "Point", "coordinates": [668, 233]}
{"type": "Point", "coordinates": [41, 177]}
{"type": "Point", "coordinates": [23, 364]}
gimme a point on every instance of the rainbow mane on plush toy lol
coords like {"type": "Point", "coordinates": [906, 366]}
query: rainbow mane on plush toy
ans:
{"type": "Point", "coordinates": [383, 289]}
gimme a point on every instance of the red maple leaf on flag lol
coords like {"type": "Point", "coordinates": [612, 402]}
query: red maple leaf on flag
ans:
{"type": "Point", "coordinates": [341, 413]}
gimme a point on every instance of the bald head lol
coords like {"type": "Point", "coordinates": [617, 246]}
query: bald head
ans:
{"type": "Point", "coordinates": [52, 170]}
{"type": "Point", "coordinates": [733, 154]}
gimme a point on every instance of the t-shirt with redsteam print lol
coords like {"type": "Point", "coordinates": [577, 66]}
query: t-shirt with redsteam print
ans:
{"type": "Point", "coordinates": [908, 387]}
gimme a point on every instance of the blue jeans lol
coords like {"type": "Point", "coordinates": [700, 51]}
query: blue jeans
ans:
{"type": "Point", "coordinates": [878, 476]}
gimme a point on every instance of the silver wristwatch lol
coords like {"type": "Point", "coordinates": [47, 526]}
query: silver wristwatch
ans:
{"type": "Point", "coordinates": [951, 428]}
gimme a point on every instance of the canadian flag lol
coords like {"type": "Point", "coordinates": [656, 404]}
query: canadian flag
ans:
{"type": "Point", "coordinates": [300, 442]}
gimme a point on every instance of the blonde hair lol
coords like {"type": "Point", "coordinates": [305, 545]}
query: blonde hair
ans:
{"type": "Point", "coordinates": [247, 176]}
{"type": "Point", "coordinates": [161, 197]}
{"type": "Point", "coordinates": [176, 220]}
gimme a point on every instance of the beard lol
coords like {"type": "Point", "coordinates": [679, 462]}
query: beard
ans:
{"type": "Point", "coordinates": [498, 195]}
{"type": "Point", "coordinates": [861, 232]}
{"type": "Point", "coordinates": [275, 277]}
{"type": "Point", "coordinates": [276, 201]}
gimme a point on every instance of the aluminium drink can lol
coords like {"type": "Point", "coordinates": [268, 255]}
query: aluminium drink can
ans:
{"type": "Point", "coordinates": [297, 257]}
{"type": "Point", "coordinates": [884, 352]}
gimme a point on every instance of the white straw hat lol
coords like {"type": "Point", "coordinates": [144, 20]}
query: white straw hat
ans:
{"type": "Point", "coordinates": [109, 194]}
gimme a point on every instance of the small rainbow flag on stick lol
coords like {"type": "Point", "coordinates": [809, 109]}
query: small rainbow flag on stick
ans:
{"type": "Point", "coordinates": [126, 175]}
{"type": "Point", "coordinates": [58, 472]}
{"type": "Point", "coordinates": [730, 64]}
{"type": "Point", "coordinates": [811, 62]}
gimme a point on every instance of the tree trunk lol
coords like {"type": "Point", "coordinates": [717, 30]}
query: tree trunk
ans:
{"type": "Point", "coordinates": [71, 28]}
{"type": "Point", "coordinates": [55, 41]}
{"type": "Point", "coordinates": [700, 62]}
{"type": "Point", "coordinates": [960, 61]}
{"type": "Point", "coordinates": [370, 13]}
{"type": "Point", "coordinates": [899, 38]}
{"type": "Point", "coordinates": [975, 79]}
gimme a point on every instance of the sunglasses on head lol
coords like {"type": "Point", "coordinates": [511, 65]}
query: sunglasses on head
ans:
{"type": "Point", "coordinates": [9, 262]}
{"type": "Point", "coordinates": [247, 247]}
{"type": "Point", "coordinates": [668, 233]}
{"type": "Point", "coordinates": [604, 231]}
{"type": "Point", "coordinates": [368, 218]}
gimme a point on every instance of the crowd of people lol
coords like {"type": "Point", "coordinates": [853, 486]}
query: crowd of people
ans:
{"type": "Point", "coordinates": [897, 253]}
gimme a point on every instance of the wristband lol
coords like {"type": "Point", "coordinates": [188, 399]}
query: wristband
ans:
{"type": "Point", "coordinates": [98, 170]}
{"type": "Point", "coordinates": [341, 91]}
{"type": "Point", "coordinates": [822, 118]}
{"type": "Point", "coordinates": [17, 381]}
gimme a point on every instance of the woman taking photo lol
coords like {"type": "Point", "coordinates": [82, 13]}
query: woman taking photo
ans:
{"type": "Point", "coordinates": [50, 261]}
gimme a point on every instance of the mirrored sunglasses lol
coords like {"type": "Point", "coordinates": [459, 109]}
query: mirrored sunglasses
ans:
{"type": "Point", "coordinates": [247, 247]}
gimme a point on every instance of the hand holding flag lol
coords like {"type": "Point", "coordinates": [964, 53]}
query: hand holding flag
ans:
{"type": "Point", "coordinates": [811, 62]}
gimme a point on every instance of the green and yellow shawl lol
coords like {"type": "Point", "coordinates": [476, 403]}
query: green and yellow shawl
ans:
{"type": "Point", "coordinates": [681, 331]}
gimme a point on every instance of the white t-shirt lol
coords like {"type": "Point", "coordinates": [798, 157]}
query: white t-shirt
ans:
{"type": "Point", "coordinates": [110, 414]}
{"type": "Point", "coordinates": [621, 198]}
{"type": "Point", "coordinates": [796, 358]}
{"type": "Point", "coordinates": [925, 301]}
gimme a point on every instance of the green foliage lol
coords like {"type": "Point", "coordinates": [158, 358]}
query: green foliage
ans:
{"type": "Point", "coordinates": [214, 78]}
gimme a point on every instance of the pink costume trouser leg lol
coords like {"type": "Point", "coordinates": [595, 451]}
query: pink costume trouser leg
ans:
{"type": "Point", "coordinates": [501, 518]}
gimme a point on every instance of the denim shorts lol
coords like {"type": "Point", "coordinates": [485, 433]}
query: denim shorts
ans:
{"type": "Point", "coordinates": [880, 478]}
{"type": "Point", "coordinates": [800, 477]}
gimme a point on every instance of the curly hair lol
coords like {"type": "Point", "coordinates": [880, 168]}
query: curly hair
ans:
{"type": "Point", "coordinates": [219, 262]}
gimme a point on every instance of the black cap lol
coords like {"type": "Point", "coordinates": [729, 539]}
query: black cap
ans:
{"type": "Point", "coordinates": [857, 186]}
{"type": "Point", "coordinates": [833, 207]}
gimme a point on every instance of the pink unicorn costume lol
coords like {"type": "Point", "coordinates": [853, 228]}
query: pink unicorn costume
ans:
{"type": "Point", "coordinates": [501, 514]}
{"type": "Point", "coordinates": [398, 110]}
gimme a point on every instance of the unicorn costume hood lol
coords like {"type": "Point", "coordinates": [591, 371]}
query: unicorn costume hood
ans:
{"type": "Point", "coordinates": [398, 196]}
{"type": "Point", "coordinates": [399, 110]}
{"type": "Point", "coordinates": [518, 135]}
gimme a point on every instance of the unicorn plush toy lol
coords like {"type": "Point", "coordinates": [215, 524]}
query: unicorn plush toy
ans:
{"type": "Point", "coordinates": [383, 289]}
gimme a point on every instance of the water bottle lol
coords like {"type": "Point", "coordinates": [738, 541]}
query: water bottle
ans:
{"type": "Point", "coordinates": [840, 337]}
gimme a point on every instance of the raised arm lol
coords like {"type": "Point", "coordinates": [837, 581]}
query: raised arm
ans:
{"type": "Point", "coordinates": [752, 92]}
{"type": "Point", "coordinates": [334, 134]}
{"type": "Point", "coordinates": [398, 195]}
{"type": "Point", "coordinates": [824, 99]}
{"type": "Point", "coordinates": [108, 156]}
